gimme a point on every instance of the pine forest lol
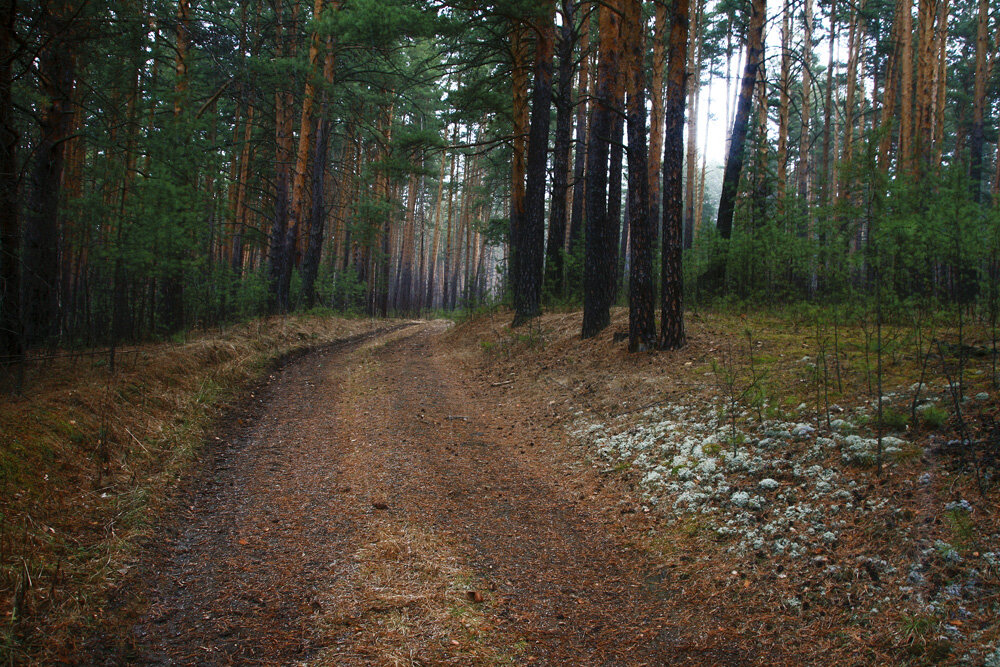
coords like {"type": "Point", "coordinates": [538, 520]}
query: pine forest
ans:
{"type": "Point", "coordinates": [516, 332]}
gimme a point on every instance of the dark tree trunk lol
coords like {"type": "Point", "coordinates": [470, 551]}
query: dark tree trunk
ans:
{"type": "Point", "coordinates": [555, 276]}
{"type": "Point", "coordinates": [531, 242]}
{"type": "Point", "coordinates": [40, 278]}
{"type": "Point", "coordinates": [580, 154]}
{"type": "Point", "coordinates": [642, 227]}
{"type": "Point", "coordinates": [317, 217]}
{"type": "Point", "coordinates": [621, 267]}
{"type": "Point", "coordinates": [519, 89]}
{"type": "Point", "coordinates": [978, 103]}
{"type": "Point", "coordinates": [671, 276]}
{"type": "Point", "coordinates": [278, 248]}
{"type": "Point", "coordinates": [734, 161]}
{"type": "Point", "coordinates": [615, 185]}
{"type": "Point", "coordinates": [382, 291]}
{"type": "Point", "coordinates": [602, 232]}
{"type": "Point", "coordinates": [10, 232]}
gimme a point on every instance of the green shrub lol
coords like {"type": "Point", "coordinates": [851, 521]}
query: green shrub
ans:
{"type": "Point", "coordinates": [933, 416]}
{"type": "Point", "coordinates": [894, 420]}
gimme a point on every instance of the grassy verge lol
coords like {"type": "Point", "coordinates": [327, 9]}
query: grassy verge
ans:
{"type": "Point", "coordinates": [86, 455]}
{"type": "Point", "coordinates": [824, 494]}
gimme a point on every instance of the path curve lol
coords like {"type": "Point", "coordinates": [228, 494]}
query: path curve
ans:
{"type": "Point", "coordinates": [359, 439]}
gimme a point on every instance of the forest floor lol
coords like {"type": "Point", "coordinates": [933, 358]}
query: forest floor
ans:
{"type": "Point", "coordinates": [438, 494]}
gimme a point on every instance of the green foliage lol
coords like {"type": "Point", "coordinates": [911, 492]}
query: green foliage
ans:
{"type": "Point", "coordinates": [913, 244]}
{"type": "Point", "coordinates": [933, 416]}
{"type": "Point", "coordinates": [346, 291]}
{"type": "Point", "coordinates": [894, 420]}
{"type": "Point", "coordinates": [962, 527]}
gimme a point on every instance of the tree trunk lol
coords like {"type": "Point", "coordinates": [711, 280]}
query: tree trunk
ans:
{"type": "Point", "coordinates": [601, 238]}
{"type": "Point", "coordinates": [642, 229]}
{"type": "Point", "coordinates": [297, 202]}
{"type": "Point", "coordinates": [906, 57]}
{"type": "Point", "coordinates": [854, 39]}
{"type": "Point", "coordinates": [699, 212]}
{"type": "Point", "coordinates": [181, 49]}
{"type": "Point", "coordinates": [734, 161]}
{"type": "Point", "coordinates": [694, 87]}
{"type": "Point", "coordinates": [761, 182]}
{"type": "Point", "coordinates": [317, 217]}
{"type": "Point", "coordinates": [806, 107]}
{"type": "Point", "coordinates": [615, 169]}
{"type": "Point", "coordinates": [888, 109]}
{"type": "Point", "coordinates": [555, 275]}
{"type": "Point", "coordinates": [580, 154]}
{"type": "Point", "coordinates": [616, 161]}
{"type": "Point", "coordinates": [827, 177]}
{"type": "Point", "coordinates": [519, 88]}
{"type": "Point", "coordinates": [40, 278]}
{"type": "Point", "coordinates": [10, 224]}
{"type": "Point", "coordinates": [940, 89]}
{"type": "Point", "coordinates": [671, 274]}
{"type": "Point", "coordinates": [278, 256]}
{"type": "Point", "coordinates": [978, 104]}
{"type": "Point", "coordinates": [784, 103]}
{"type": "Point", "coordinates": [448, 268]}
{"type": "Point", "coordinates": [926, 68]}
{"type": "Point", "coordinates": [530, 244]}
{"type": "Point", "coordinates": [656, 113]}
{"type": "Point", "coordinates": [405, 291]}
{"type": "Point", "coordinates": [436, 237]}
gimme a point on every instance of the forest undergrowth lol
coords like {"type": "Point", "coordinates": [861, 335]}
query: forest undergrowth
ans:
{"type": "Point", "coordinates": [819, 482]}
{"type": "Point", "coordinates": [87, 454]}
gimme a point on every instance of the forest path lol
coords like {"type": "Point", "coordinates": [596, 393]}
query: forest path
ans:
{"type": "Point", "coordinates": [376, 506]}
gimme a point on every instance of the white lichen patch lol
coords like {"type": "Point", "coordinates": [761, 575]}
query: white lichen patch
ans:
{"type": "Point", "coordinates": [793, 493]}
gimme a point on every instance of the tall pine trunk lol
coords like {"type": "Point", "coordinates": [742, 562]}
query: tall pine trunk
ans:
{"type": "Point", "coordinates": [854, 39]}
{"type": "Point", "coordinates": [278, 256]}
{"type": "Point", "coordinates": [906, 56]}
{"type": "Point", "coordinates": [976, 138]}
{"type": "Point", "coordinates": [827, 177]}
{"type": "Point", "coordinates": [580, 153]}
{"type": "Point", "coordinates": [519, 91]}
{"type": "Point", "coordinates": [602, 232]}
{"type": "Point", "coordinates": [530, 242]}
{"type": "Point", "coordinates": [642, 229]}
{"type": "Point", "coordinates": [436, 236]}
{"type": "Point", "coordinates": [10, 224]}
{"type": "Point", "coordinates": [784, 100]}
{"type": "Point", "coordinates": [671, 275]}
{"type": "Point", "coordinates": [694, 87]}
{"type": "Point", "coordinates": [40, 277]}
{"type": "Point", "coordinates": [734, 161]}
{"type": "Point", "coordinates": [555, 275]}
{"type": "Point", "coordinates": [656, 112]}
{"type": "Point", "coordinates": [317, 216]}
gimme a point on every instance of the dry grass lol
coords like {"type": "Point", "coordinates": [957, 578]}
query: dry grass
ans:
{"type": "Point", "coordinates": [405, 599]}
{"type": "Point", "coordinates": [86, 455]}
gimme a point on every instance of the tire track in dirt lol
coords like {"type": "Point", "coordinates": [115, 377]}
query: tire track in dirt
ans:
{"type": "Point", "coordinates": [231, 575]}
{"type": "Point", "coordinates": [441, 458]}
{"type": "Point", "coordinates": [351, 437]}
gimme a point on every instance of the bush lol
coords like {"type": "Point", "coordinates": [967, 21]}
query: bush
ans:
{"type": "Point", "coordinates": [933, 417]}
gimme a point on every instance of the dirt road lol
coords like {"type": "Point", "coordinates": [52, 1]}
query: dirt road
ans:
{"type": "Point", "coordinates": [376, 506]}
